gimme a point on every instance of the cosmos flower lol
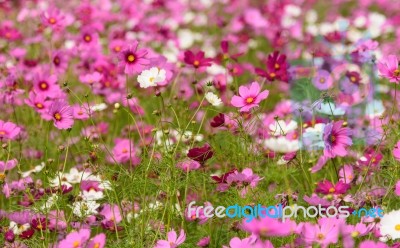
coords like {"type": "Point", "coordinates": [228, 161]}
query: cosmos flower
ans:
{"type": "Point", "coordinates": [249, 97]}
{"type": "Point", "coordinates": [8, 130]}
{"type": "Point", "coordinates": [62, 114]}
{"type": "Point", "coordinates": [76, 239]}
{"type": "Point", "coordinates": [277, 68]}
{"type": "Point", "coordinates": [151, 77]}
{"type": "Point", "coordinates": [132, 59]}
{"type": "Point", "coordinates": [336, 139]}
{"type": "Point", "coordinates": [98, 241]}
{"type": "Point", "coordinates": [53, 18]}
{"type": "Point", "coordinates": [326, 187]}
{"type": "Point", "coordinates": [201, 154]}
{"type": "Point", "coordinates": [173, 240]}
{"type": "Point", "coordinates": [213, 99]}
{"type": "Point", "coordinates": [397, 188]}
{"type": "Point", "coordinates": [323, 80]}
{"type": "Point", "coordinates": [390, 225]}
{"type": "Point", "coordinates": [389, 68]}
{"type": "Point", "coordinates": [196, 60]}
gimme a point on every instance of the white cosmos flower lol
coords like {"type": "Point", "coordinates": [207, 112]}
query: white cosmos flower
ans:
{"type": "Point", "coordinates": [18, 229]}
{"type": "Point", "coordinates": [282, 144]}
{"type": "Point", "coordinates": [390, 224]}
{"type": "Point", "coordinates": [280, 127]}
{"type": "Point", "coordinates": [85, 208]}
{"type": "Point", "coordinates": [37, 169]}
{"type": "Point", "coordinates": [213, 99]}
{"type": "Point", "coordinates": [91, 195]}
{"type": "Point", "coordinates": [150, 78]}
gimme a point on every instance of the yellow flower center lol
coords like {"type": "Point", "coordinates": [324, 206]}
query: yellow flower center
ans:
{"type": "Point", "coordinates": [57, 116]}
{"type": "Point", "coordinates": [151, 79]}
{"type": "Point", "coordinates": [87, 38]}
{"type": "Point", "coordinates": [52, 20]}
{"type": "Point", "coordinates": [322, 80]}
{"type": "Point", "coordinates": [196, 63]}
{"type": "Point", "coordinates": [353, 79]}
{"type": "Point", "coordinates": [397, 227]}
{"type": "Point", "coordinates": [2, 132]}
{"type": "Point", "coordinates": [76, 244]}
{"type": "Point", "coordinates": [331, 190]}
{"type": "Point", "coordinates": [43, 85]}
{"type": "Point", "coordinates": [117, 48]}
{"type": "Point", "coordinates": [272, 75]}
{"type": "Point", "coordinates": [333, 138]}
{"type": "Point", "coordinates": [355, 234]}
{"type": "Point", "coordinates": [124, 150]}
{"type": "Point", "coordinates": [320, 236]}
{"type": "Point", "coordinates": [2, 176]}
{"type": "Point", "coordinates": [277, 66]}
{"type": "Point", "coordinates": [396, 73]}
{"type": "Point", "coordinates": [39, 105]}
{"type": "Point", "coordinates": [96, 245]}
{"type": "Point", "coordinates": [249, 99]}
{"type": "Point", "coordinates": [131, 58]}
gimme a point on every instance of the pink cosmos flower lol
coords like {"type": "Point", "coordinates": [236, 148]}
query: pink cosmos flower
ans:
{"type": "Point", "coordinates": [350, 232]}
{"type": "Point", "coordinates": [346, 174]}
{"type": "Point", "coordinates": [326, 187]}
{"type": "Point", "coordinates": [8, 130]}
{"type": "Point", "coordinates": [389, 68]}
{"type": "Point", "coordinates": [81, 112]}
{"type": "Point", "coordinates": [53, 18]}
{"type": "Point", "coordinates": [336, 139]}
{"type": "Point", "coordinates": [373, 244]}
{"type": "Point", "coordinates": [172, 241]}
{"type": "Point", "coordinates": [75, 239]}
{"type": "Point", "coordinates": [132, 59]}
{"type": "Point", "coordinates": [396, 151]}
{"type": "Point", "coordinates": [91, 78]}
{"type": "Point", "coordinates": [8, 165]}
{"type": "Point", "coordinates": [46, 85]}
{"type": "Point", "coordinates": [98, 241]}
{"type": "Point", "coordinates": [242, 243]}
{"type": "Point", "coordinates": [188, 165]}
{"type": "Point", "coordinates": [269, 227]}
{"type": "Point", "coordinates": [60, 61]}
{"type": "Point", "coordinates": [125, 151]}
{"type": "Point", "coordinates": [196, 60]}
{"type": "Point", "coordinates": [204, 242]}
{"type": "Point", "coordinates": [111, 213]}
{"type": "Point", "coordinates": [397, 190]}
{"type": "Point", "coordinates": [38, 101]}
{"type": "Point", "coordinates": [323, 80]}
{"type": "Point", "coordinates": [62, 114]}
{"type": "Point", "coordinates": [324, 233]}
{"type": "Point", "coordinates": [249, 97]}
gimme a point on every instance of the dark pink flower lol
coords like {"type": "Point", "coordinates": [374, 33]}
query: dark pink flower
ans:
{"type": "Point", "coordinates": [326, 187]}
{"type": "Point", "coordinates": [196, 60]}
{"type": "Point", "coordinates": [276, 68]}
{"type": "Point", "coordinates": [249, 97]}
{"type": "Point", "coordinates": [201, 154]}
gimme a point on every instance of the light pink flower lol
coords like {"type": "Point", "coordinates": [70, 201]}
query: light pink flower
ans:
{"type": "Point", "coordinates": [8, 130]}
{"type": "Point", "coordinates": [336, 139]}
{"type": "Point", "coordinates": [397, 190]}
{"type": "Point", "coordinates": [172, 241]}
{"type": "Point", "coordinates": [8, 165]}
{"type": "Point", "coordinates": [98, 241]}
{"type": "Point", "coordinates": [249, 97]}
{"type": "Point", "coordinates": [75, 239]}
{"type": "Point", "coordinates": [62, 114]}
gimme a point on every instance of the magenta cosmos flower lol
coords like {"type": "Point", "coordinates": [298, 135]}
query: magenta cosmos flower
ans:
{"type": "Point", "coordinates": [196, 60]}
{"type": "Point", "coordinates": [201, 154]}
{"type": "Point", "coordinates": [249, 97]}
{"type": "Point", "coordinates": [336, 139]}
{"type": "Point", "coordinates": [326, 187]}
{"type": "Point", "coordinates": [62, 114]}
{"type": "Point", "coordinates": [132, 59]}
{"type": "Point", "coordinates": [389, 68]}
{"type": "Point", "coordinates": [8, 130]}
{"type": "Point", "coordinates": [172, 241]}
